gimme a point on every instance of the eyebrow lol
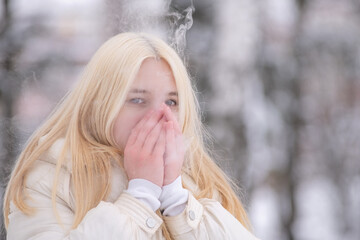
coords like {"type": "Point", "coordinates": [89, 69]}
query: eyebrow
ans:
{"type": "Point", "coordinates": [143, 91]}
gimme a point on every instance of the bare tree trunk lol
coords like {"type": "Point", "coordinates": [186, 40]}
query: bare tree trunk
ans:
{"type": "Point", "coordinates": [295, 122]}
{"type": "Point", "coordinates": [9, 91]}
{"type": "Point", "coordinates": [289, 82]}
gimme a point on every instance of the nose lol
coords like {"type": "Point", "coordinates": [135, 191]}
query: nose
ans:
{"type": "Point", "coordinates": [158, 105]}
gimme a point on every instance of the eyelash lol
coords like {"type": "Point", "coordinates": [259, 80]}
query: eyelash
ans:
{"type": "Point", "coordinates": [136, 101]}
{"type": "Point", "coordinates": [133, 100]}
{"type": "Point", "coordinates": [175, 103]}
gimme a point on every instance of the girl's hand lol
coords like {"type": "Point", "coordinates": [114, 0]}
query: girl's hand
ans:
{"type": "Point", "coordinates": [174, 150]}
{"type": "Point", "coordinates": [144, 151]}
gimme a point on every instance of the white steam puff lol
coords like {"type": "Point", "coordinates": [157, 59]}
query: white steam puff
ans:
{"type": "Point", "coordinates": [157, 17]}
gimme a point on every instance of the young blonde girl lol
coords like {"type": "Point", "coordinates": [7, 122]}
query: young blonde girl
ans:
{"type": "Point", "coordinates": [123, 157]}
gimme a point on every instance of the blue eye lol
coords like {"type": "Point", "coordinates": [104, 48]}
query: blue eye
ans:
{"type": "Point", "coordinates": [171, 103]}
{"type": "Point", "coordinates": [137, 100]}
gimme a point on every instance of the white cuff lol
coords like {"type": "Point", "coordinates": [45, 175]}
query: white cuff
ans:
{"type": "Point", "coordinates": [145, 191]}
{"type": "Point", "coordinates": [173, 198]}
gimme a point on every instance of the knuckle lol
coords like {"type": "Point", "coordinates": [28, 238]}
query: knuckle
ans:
{"type": "Point", "coordinates": [143, 155]}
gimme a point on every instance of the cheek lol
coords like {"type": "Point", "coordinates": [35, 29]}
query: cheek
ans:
{"type": "Point", "coordinates": [123, 126]}
{"type": "Point", "coordinates": [176, 114]}
{"type": "Point", "coordinates": [177, 117]}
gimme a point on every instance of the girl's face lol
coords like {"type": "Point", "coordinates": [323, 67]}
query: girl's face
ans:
{"type": "Point", "coordinates": [154, 84]}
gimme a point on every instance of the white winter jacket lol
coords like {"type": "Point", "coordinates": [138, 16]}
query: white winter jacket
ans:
{"type": "Point", "coordinates": [121, 216]}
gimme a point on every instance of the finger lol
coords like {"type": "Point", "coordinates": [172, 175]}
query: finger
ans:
{"type": "Point", "coordinates": [180, 144]}
{"type": "Point", "coordinates": [148, 126]}
{"type": "Point", "coordinates": [159, 148]}
{"type": "Point", "coordinates": [170, 139]}
{"type": "Point", "coordinates": [153, 136]}
{"type": "Point", "coordinates": [170, 117]}
{"type": "Point", "coordinates": [135, 131]}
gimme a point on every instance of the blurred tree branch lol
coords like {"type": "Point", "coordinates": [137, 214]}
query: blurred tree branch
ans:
{"type": "Point", "coordinates": [7, 96]}
{"type": "Point", "coordinates": [277, 78]}
{"type": "Point", "coordinates": [5, 18]}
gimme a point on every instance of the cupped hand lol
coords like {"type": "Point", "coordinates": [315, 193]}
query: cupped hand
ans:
{"type": "Point", "coordinates": [174, 150]}
{"type": "Point", "coordinates": [145, 148]}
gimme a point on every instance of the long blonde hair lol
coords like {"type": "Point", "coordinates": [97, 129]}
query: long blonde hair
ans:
{"type": "Point", "coordinates": [85, 119]}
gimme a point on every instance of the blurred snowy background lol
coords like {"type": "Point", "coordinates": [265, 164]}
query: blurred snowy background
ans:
{"type": "Point", "coordinates": [278, 81]}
